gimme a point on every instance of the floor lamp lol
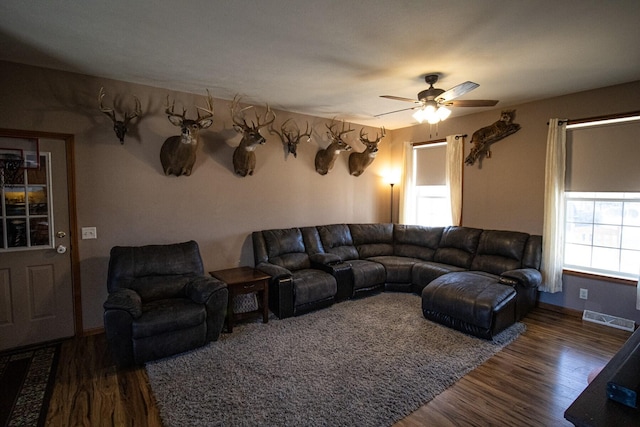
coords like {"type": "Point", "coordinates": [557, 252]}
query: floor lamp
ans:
{"type": "Point", "coordinates": [391, 204]}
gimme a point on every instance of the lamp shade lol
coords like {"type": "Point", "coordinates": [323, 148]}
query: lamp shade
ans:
{"type": "Point", "coordinates": [431, 113]}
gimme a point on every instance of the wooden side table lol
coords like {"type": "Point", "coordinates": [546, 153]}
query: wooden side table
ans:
{"type": "Point", "coordinates": [245, 280]}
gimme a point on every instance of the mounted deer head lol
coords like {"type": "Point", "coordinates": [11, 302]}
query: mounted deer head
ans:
{"type": "Point", "coordinates": [178, 153]}
{"type": "Point", "coordinates": [358, 162]}
{"type": "Point", "coordinates": [327, 157]}
{"type": "Point", "coordinates": [291, 136]}
{"type": "Point", "coordinates": [244, 157]}
{"type": "Point", "coordinates": [119, 126]}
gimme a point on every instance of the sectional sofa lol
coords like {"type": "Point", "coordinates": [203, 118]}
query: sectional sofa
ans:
{"type": "Point", "coordinates": [477, 281]}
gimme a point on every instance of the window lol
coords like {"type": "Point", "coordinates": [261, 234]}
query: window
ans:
{"type": "Point", "coordinates": [602, 233]}
{"type": "Point", "coordinates": [432, 204]}
{"type": "Point", "coordinates": [25, 209]}
{"type": "Point", "coordinates": [602, 198]}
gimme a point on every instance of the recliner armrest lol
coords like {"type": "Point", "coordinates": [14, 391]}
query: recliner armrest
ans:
{"type": "Point", "coordinates": [526, 277]}
{"type": "Point", "coordinates": [325, 259]}
{"type": "Point", "coordinates": [275, 271]}
{"type": "Point", "coordinates": [124, 299]}
{"type": "Point", "coordinates": [201, 288]}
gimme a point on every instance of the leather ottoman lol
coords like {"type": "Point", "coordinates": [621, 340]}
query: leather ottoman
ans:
{"type": "Point", "coordinates": [473, 303]}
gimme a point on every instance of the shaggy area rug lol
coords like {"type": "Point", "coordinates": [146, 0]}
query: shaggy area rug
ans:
{"type": "Point", "coordinates": [365, 362]}
{"type": "Point", "coordinates": [27, 378]}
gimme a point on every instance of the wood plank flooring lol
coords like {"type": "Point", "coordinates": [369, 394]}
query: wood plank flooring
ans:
{"type": "Point", "coordinates": [529, 383]}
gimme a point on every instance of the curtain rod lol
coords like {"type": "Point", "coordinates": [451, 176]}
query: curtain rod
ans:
{"type": "Point", "coordinates": [436, 141]}
{"type": "Point", "coordinates": [596, 118]}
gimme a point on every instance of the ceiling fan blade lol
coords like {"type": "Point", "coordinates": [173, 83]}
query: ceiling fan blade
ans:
{"type": "Point", "coordinates": [457, 91]}
{"type": "Point", "coordinates": [471, 103]}
{"type": "Point", "coordinates": [397, 111]}
{"type": "Point", "coordinates": [399, 98]}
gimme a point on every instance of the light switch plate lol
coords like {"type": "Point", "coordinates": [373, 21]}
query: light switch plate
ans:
{"type": "Point", "coordinates": [89, 233]}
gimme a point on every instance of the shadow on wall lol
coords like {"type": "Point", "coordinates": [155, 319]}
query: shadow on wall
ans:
{"type": "Point", "coordinates": [216, 146]}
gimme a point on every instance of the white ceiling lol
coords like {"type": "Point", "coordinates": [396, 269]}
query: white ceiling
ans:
{"type": "Point", "coordinates": [333, 58]}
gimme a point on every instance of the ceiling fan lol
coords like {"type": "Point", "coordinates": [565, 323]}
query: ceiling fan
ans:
{"type": "Point", "coordinates": [432, 102]}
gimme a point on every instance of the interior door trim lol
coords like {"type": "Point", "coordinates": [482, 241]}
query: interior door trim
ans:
{"type": "Point", "coordinates": [73, 215]}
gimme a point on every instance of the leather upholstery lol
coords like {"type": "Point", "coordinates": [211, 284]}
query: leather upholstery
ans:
{"type": "Point", "coordinates": [416, 241]}
{"type": "Point", "coordinates": [372, 239]}
{"type": "Point", "coordinates": [336, 239]}
{"type": "Point", "coordinates": [497, 266]}
{"type": "Point", "coordinates": [469, 302]}
{"type": "Point", "coordinates": [499, 251]}
{"type": "Point", "coordinates": [160, 302]}
{"type": "Point", "coordinates": [458, 246]}
{"type": "Point", "coordinates": [296, 286]}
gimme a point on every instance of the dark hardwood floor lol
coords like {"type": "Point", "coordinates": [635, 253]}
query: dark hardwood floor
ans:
{"type": "Point", "coordinates": [529, 383]}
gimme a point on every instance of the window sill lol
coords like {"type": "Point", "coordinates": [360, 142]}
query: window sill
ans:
{"type": "Point", "coordinates": [602, 277]}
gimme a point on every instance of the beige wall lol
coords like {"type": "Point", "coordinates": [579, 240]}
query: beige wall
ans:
{"type": "Point", "coordinates": [122, 190]}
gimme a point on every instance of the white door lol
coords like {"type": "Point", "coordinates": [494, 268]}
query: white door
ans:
{"type": "Point", "coordinates": [36, 300]}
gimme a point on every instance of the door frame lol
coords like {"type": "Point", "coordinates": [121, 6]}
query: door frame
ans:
{"type": "Point", "coordinates": [73, 216]}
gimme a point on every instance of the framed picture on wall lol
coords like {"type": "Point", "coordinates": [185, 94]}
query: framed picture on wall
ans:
{"type": "Point", "coordinates": [27, 148]}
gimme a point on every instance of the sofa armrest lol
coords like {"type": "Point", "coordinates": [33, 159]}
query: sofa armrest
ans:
{"type": "Point", "coordinates": [275, 271]}
{"type": "Point", "coordinates": [124, 299]}
{"type": "Point", "coordinates": [201, 288]}
{"type": "Point", "coordinates": [526, 277]}
{"type": "Point", "coordinates": [325, 259]}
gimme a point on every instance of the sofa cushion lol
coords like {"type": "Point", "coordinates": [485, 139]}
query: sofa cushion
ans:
{"type": "Point", "coordinates": [367, 274]}
{"type": "Point", "coordinates": [398, 268]}
{"type": "Point", "coordinates": [458, 246]}
{"type": "Point", "coordinates": [162, 316]}
{"type": "Point", "coordinates": [152, 288]}
{"type": "Point", "coordinates": [425, 272]}
{"type": "Point", "coordinates": [499, 251]}
{"type": "Point", "coordinates": [372, 239]}
{"type": "Point", "coordinates": [416, 241]}
{"type": "Point", "coordinates": [533, 252]}
{"type": "Point", "coordinates": [467, 297]}
{"type": "Point", "coordinates": [313, 285]}
{"type": "Point", "coordinates": [127, 263]}
{"type": "Point", "coordinates": [336, 239]}
{"type": "Point", "coordinates": [285, 247]}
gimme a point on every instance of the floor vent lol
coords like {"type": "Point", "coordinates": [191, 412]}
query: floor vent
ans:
{"type": "Point", "coordinates": [608, 320]}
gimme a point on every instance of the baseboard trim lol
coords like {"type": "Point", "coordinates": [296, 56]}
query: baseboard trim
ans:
{"type": "Point", "coordinates": [558, 309]}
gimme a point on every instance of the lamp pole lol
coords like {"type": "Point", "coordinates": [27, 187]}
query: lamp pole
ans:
{"type": "Point", "coordinates": [391, 204]}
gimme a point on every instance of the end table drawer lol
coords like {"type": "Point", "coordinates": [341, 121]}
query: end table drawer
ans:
{"type": "Point", "coordinates": [250, 287]}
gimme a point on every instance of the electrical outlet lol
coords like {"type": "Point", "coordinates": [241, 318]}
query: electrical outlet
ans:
{"type": "Point", "coordinates": [584, 293]}
{"type": "Point", "coordinates": [89, 233]}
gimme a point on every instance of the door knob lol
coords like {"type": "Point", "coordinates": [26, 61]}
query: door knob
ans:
{"type": "Point", "coordinates": [61, 249]}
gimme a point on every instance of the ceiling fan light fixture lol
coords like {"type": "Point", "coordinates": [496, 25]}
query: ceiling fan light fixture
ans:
{"type": "Point", "coordinates": [443, 113]}
{"type": "Point", "coordinates": [433, 118]}
{"type": "Point", "coordinates": [420, 115]}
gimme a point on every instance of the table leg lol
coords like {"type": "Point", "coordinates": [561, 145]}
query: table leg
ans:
{"type": "Point", "coordinates": [265, 304]}
{"type": "Point", "coordinates": [230, 313]}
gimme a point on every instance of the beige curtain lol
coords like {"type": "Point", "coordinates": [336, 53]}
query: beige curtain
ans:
{"type": "Point", "coordinates": [638, 294]}
{"type": "Point", "coordinates": [455, 158]}
{"type": "Point", "coordinates": [553, 228]}
{"type": "Point", "coordinates": [407, 211]}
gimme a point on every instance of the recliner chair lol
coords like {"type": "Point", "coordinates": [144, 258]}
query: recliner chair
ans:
{"type": "Point", "coordinates": [160, 302]}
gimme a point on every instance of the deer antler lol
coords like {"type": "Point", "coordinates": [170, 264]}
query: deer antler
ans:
{"type": "Point", "coordinates": [235, 113]}
{"type": "Point", "coordinates": [169, 110]}
{"type": "Point", "coordinates": [208, 110]}
{"type": "Point", "coordinates": [136, 112]}
{"type": "Point", "coordinates": [337, 135]}
{"type": "Point", "coordinates": [287, 134]}
{"type": "Point", "coordinates": [108, 111]}
{"type": "Point", "coordinates": [119, 126]}
{"type": "Point", "coordinates": [365, 138]}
